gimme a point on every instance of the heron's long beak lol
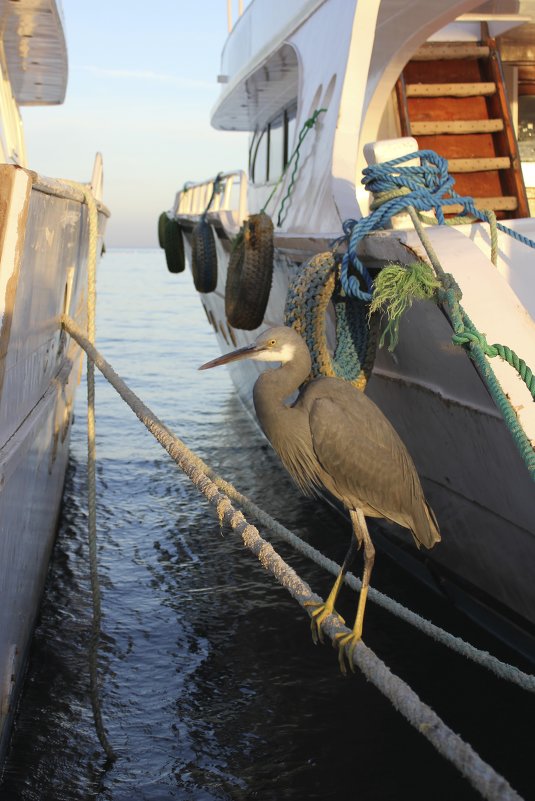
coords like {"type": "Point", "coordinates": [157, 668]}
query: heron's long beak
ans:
{"type": "Point", "coordinates": [233, 356]}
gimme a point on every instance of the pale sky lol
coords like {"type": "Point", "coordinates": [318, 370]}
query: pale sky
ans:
{"type": "Point", "coordinates": [142, 83]}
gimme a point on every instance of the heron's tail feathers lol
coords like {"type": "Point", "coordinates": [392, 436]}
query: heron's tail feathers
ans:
{"type": "Point", "coordinates": [425, 527]}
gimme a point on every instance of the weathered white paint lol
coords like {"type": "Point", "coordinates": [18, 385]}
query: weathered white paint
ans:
{"type": "Point", "coordinates": [16, 201]}
{"type": "Point", "coordinates": [34, 51]}
{"type": "Point", "coordinates": [43, 255]}
{"type": "Point", "coordinates": [39, 372]}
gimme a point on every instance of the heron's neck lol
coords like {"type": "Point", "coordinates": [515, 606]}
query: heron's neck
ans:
{"type": "Point", "coordinates": [272, 389]}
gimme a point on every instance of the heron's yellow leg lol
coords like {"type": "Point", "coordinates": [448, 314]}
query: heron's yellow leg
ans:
{"type": "Point", "coordinates": [323, 610]}
{"type": "Point", "coordinates": [348, 642]}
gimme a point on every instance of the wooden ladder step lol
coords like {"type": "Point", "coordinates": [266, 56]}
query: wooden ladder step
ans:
{"type": "Point", "coordinates": [455, 127]}
{"type": "Point", "coordinates": [479, 165]}
{"type": "Point", "coordinates": [433, 51]}
{"type": "Point", "coordinates": [450, 89]}
{"type": "Point", "coordinates": [508, 203]}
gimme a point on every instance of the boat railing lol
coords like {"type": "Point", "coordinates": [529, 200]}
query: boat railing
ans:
{"type": "Point", "coordinates": [194, 198]}
{"type": "Point", "coordinates": [230, 21]}
{"type": "Point", "coordinates": [97, 177]}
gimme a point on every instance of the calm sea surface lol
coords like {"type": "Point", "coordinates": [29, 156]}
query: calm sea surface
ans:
{"type": "Point", "coordinates": [211, 686]}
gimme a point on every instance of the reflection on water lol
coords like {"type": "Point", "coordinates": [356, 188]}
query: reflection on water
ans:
{"type": "Point", "coordinates": [211, 686]}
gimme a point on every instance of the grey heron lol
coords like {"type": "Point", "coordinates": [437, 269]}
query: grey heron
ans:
{"type": "Point", "coordinates": [335, 438]}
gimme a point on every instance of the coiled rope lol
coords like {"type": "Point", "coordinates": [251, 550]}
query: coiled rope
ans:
{"type": "Point", "coordinates": [491, 785]}
{"type": "Point", "coordinates": [423, 187]}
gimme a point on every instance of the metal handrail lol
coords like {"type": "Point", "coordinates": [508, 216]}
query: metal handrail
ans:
{"type": "Point", "coordinates": [193, 198]}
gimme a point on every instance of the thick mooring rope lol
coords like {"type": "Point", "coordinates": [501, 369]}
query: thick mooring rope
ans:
{"type": "Point", "coordinates": [92, 215]}
{"type": "Point", "coordinates": [482, 776]}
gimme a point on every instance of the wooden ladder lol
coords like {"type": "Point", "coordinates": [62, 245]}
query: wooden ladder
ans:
{"type": "Point", "coordinates": [451, 99]}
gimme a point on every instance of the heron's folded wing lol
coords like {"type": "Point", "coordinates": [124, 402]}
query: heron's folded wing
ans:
{"type": "Point", "coordinates": [369, 464]}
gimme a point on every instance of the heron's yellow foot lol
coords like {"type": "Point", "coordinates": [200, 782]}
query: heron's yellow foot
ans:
{"type": "Point", "coordinates": [320, 613]}
{"type": "Point", "coordinates": [346, 644]}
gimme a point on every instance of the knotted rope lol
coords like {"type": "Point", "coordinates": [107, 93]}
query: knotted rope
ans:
{"type": "Point", "coordinates": [468, 336]}
{"type": "Point", "coordinates": [490, 784]}
{"type": "Point", "coordinates": [423, 187]}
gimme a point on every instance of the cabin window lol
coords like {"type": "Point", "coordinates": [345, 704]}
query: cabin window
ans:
{"type": "Point", "coordinates": [526, 127]}
{"type": "Point", "coordinates": [271, 149]}
{"type": "Point", "coordinates": [526, 112]}
{"type": "Point", "coordinates": [253, 142]}
{"type": "Point", "coordinates": [276, 148]}
{"type": "Point", "coordinates": [260, 158]}
{"type": "Point", "coordinates": [289, 127]}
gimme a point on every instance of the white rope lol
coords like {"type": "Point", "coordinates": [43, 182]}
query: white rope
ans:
{"type": "Point", "coordinates": [501, 669]}
{"type": "Point", "coordinates": [92, 219]}
{"type": "Point", "coordinates": [481, 776]}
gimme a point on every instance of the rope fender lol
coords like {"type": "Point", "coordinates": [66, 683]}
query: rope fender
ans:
{"type": "Point", "coordinates": [313, 287]}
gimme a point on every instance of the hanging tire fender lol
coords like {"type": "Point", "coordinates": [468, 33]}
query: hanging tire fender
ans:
{"type": "Point", "coordinates": [173, 240]}
{"type": "Point", "coordinates": [162, 223]}
{"type": "Point", "coordinates": [250, 273]}
{"type": "Point", "coordinates": [203, 257]}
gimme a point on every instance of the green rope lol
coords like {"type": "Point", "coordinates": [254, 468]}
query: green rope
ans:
{"type": "Point", "coordinates": [383, 197]}
{"type": "Point", "coordinates": [307, 126]}
{"type": "Point", "coordinates": [395, 289]}
{"type": "Point", "coordinates": [504, 352]}
{"type": "Point", "coordinates": [467, 335]}
{"type": "Point", "coordinates": [465, 332]}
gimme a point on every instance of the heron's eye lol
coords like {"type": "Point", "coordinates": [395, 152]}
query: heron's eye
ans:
{"type": "Point", "coordinates": [272, 342]}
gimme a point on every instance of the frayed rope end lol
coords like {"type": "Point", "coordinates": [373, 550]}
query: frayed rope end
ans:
{"type": "Point", "coordinates": [395, 289]}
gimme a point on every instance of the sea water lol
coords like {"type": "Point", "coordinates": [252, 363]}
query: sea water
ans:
{"type": "Point", "coordinates": [211, 686]}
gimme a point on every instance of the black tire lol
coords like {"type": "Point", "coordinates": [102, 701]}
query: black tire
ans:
{"type": "Point", "coordinates": [250, 274]}
{"type": "Point", "coordinates": [162, 224]}
{"type": "Point", "coordinates": [174, 247]}
{"type": "Point", "coordinates": [203, 258]}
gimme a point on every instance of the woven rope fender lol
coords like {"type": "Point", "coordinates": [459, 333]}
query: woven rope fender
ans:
{"type": "Point", "coordinates": [250, 273]}
{"type": "Point", "coordinates": [309, 294]}
{"type": "Point", "coordinates": [203, 257]}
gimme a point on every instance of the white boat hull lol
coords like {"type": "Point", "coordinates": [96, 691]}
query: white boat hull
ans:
{"type": "Point", "coordinates": [43, 259]}
{"type": "Point", "coordinates": [472, 473]}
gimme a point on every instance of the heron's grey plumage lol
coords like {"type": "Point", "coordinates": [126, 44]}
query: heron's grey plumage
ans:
{"type": "Point", "coordinates": [334, 438]}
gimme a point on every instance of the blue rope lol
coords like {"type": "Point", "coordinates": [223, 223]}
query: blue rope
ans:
{"type": "Point", "coordinates": [424, 186]}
